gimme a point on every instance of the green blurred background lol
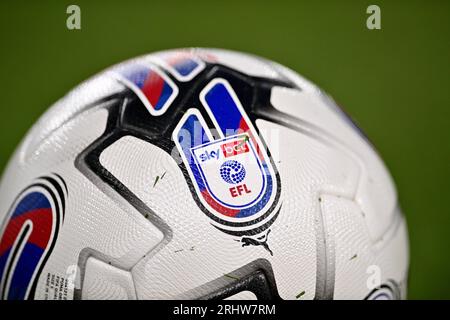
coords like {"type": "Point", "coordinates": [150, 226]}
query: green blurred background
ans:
{"type": "Point", "coordinates": [394, 82]}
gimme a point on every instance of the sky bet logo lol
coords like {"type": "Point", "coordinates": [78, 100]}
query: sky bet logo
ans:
{"type": "Point", "coordinates": [228, 149]}
{"type": "Point", "coordinates": [234, 148]}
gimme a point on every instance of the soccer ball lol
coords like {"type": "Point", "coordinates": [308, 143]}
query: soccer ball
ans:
{"type": "Point", "coordinates": [199, 174]}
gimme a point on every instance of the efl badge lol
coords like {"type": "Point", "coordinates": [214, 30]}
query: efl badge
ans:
{"type": "Point", "coordinates": [233, 177]}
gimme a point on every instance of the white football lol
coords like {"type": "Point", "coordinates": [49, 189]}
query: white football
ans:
{"type": "Point", "coordinates": [199, 174]}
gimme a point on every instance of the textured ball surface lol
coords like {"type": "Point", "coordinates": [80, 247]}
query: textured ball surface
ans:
{"type": "Point", "coordinates": [199, 174]}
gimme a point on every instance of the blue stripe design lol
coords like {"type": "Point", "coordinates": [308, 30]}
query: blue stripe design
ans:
{"type": "Point", "coordinates": [190, 135]}
{"type": "Point", "coordinates": [224, 109]}
{"type": "Point", "coordinates": [3, 259]}
{"type": "Point", "coordinates": [165, 95]}
{"type": "Point", "coordinates": [30, 202]}
{"type": "Point", "coordinates": [185, 67]}
{"type": "Point", "coordinates": [24, 270]}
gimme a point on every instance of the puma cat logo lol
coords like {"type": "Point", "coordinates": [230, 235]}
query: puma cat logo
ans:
{"type": "Point", "coordinates": [261, 241]}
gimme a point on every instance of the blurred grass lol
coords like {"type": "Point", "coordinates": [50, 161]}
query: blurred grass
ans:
{"type": "Point", "coordinates": [394, 81]}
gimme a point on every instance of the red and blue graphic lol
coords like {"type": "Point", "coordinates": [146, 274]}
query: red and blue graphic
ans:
{"type": "Point", "coordinates": [152, 86]}
{"type": "Point", "coordinates": [28, 237]}
{"type": "Point", "coordinates": [183, 65]}
{"type": "Point", "coordinates": [231, 173]}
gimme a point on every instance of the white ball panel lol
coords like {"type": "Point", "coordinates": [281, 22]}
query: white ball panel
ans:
{"type": "Point", "coordinates": [96, 88]}
{"type": "Point", "coordinates": [307, 171]}
{"type": "Point", "coordinates": [105, 282]}
{"type": "Point", "coordinates": [376, 193]}
{"type": "Point", "coordinates": [358, 261]}
{"type": "Point", "coordinates": [61, 147]}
